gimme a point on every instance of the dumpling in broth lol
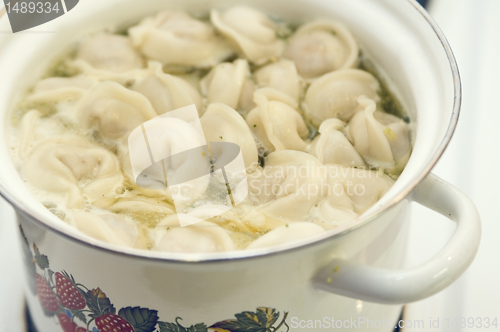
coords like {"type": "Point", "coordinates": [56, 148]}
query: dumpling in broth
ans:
{"type": "Point", "coordinates": [221, 123]}
{"type": "Point", "coordinates": [320, 47]}
{"type": "Point", "coordinates": [109, 53]}
{"type": "Point", "coordinates": [288, 186]}
{"type": "Point", "coordinates": [200, 237]}
{"type": "Point", "coordinates": [282, 76]}
{"type": "Point", "coordinates": [137, 205]}
{"type": "Point", "coordinates": [110, 228]}
{"type": "Point", "coordinates": [56, 89]}
{"type": "Point", "coordinates": [170, 137]}
{"type": "Point", "coordinates": [361, 187]}
{"type": "Point", "coordinates": [176, 39]}
{"type": "Point", "coordinates": [72, 165]}
{"type": "Point", "coordinates": [382, 139]}
{"type": "Point", "coordinates": [167, 92]}
{"type": "Point", "coordinates": [275, 121]}
{"type": "Point", "coordinates": [335, 95]}
{"type": "Point", "coordinates": [348, 192]}
{"type": "Point", "coordinates": [333, 147]}
{"type": "Point", "coordinates": [114, 110]}
{"type": "Point", "coordinates": [288, 233]}
{"type": "Point", "coordinates": [250, 31]}
{"type": "Point", "coordinates": [27, 134]}
{"type": "Point", "coordinates": [226, 84]}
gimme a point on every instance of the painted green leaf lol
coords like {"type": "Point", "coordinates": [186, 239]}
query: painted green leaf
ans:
{"type": "Point", "coordinates": [198, 328]}
{"type": "Point", "coordinates": [98, 302]}
{"type": "Point", "coordinates": [80, 315]}
{"type": "Point", "coordinates": [50, 273]}
{"type": "Point", "coordinates": [262, 320]}
{"type": "Point", "coordinates": [41, 260]}
{"type": "Point", "coordinates": [245, 322]}
{"type": "Point", "coordinates": [271, 315]}
{"type": "Point", "coordinates": [141, 319]}
{"type": "Point", "coordinates": [169, 327]}
{"type": "Point", "coordinates": [177, 327]}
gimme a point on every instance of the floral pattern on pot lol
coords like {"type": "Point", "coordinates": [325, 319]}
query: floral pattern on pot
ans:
{"type": "Point", "coordinates": [80, 309]}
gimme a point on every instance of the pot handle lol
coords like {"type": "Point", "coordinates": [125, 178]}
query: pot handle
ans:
{"type": "Point", "coordinates": [386, 286]}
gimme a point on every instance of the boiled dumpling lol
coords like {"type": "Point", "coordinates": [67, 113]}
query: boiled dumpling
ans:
{"type": "Point", "coordinates": [282, 76]}
{"type": "Point", "coordinates": [176, 39]}
{"type": "Point", "coordinates": [275, 121]}
{"type": "Point", "coordinates": [348, 192]}
{"type": "Point", "coordinates": [61, 88]}
{"type": "Point", "coordinates": [163, 194]}
{"type": "Point", "coordinates": [56, 83]}
{"type": "Point", "coordinates": [398, 136]}
{"type": "Point", "coordinates": [200, 237]}
{"type": "Point", "coordinates": [170, 136]}
{"type": "Point", "coordinates": [330, 216]}
{"type": "Point", "coordinates": [167, 92]}
{"type": "Point", "coordinates": [288, 186]}
{"type": "Point", "coordinates": [225, 84]}
{"type": "Point", "coordinates": [246, 97]}
{"type": "Point", "coordinates": [35, 127]}
{"type": "Point", "coordinates": [332, 146]}
{"type": "Point", "coordinates": [288, 233]}
{"type": "Point", "coordinates": [109, 53]}
{"type": "Point", "coordinates": [335, 95]}
{"type": "Point", "coordinates": [114, 110]}
{"type": "Point", "coordinates": [251, 31]}
{"type": "Point", "coordinates": [221, 123]}
{"type": "Point", "coordinates": [320, 47]}
{"type": "Point", "coordinates": [110, 228]}
{"type": "Point", "coordinates": [355, 189]}
{"type": "Point", "coordinates": [72, 165]}
{"type": "Point", "coordinates": [136, 205]}
{"type": "Point", "coordinates": [382, 143]}
{"type": "Point", "coordinates": [27, 132]}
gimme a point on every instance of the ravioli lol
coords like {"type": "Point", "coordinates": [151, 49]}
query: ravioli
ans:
{"type": "Point", "coordinates": [318, 148]}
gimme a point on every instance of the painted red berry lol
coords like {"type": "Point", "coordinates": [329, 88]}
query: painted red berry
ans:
{"type": "Point", "coordinates": [68, 294]}
{"type": "Point", "coordinates": [46, 295]}
{"type": "Point", "coordinates": [66, 323]}
{"type": "Point", "coordinates": [81, 329]}
{"type": "Point", "coordinates": [113, 323]}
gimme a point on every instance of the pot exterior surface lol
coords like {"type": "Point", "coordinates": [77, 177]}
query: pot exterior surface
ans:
{"type": "Point", "coordinates": [209, 293]}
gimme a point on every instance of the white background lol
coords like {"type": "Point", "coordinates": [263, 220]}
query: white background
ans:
{"type": "Point", "coordinates": [473, 30]}
{"type": "Point", "coordinates": [470, 162]}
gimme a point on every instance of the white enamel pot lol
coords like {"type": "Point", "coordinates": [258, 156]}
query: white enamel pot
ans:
{"type": "Point", "coordinates": [353, 275]}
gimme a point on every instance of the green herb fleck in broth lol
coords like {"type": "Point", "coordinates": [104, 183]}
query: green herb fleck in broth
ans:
{"type": "Point", "coordinates": [63, 69]}
{"type": "Point", "coordinates": [146, 219]}
{"type": "Point", "coordinates": [58, 213]}
{"type": "Point", "coordinates": [122, 32]}
{"type": "Point", "coordinates": [45, 109]}
{"type": "Point", "coordinates": [242, 239]}
{"type": "Point", "coordinates": [60, 66]}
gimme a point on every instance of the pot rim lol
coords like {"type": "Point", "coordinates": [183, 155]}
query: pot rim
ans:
{"type": "Point", "coordinates": [287, 248]}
